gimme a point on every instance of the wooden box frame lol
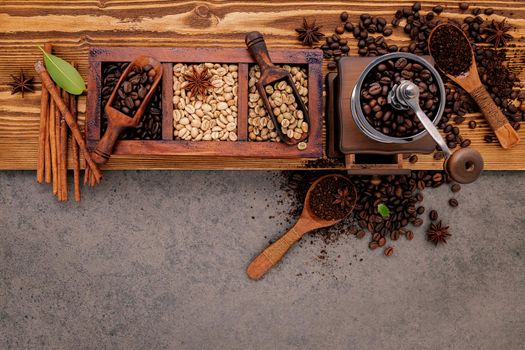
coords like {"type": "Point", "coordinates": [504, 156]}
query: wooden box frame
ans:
{"type": "Point", "coordinates": [240, 148]}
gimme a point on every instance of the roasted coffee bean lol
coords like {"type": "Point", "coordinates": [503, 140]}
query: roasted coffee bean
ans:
{"type": "Point", "coordinates": [381, 242]}
{"type": "Point", "coordinates": [343, 16]}
{"type": "Point", "coordinates": [360, 234]}
{"type": "Point", "coordinates": [394, 235]}
{"type": "Point", "coordinates": [463, 6]}
{"type": "Point", "coordinates": [433, 215]}
{"type": "Point", "coordinates": [349, 27]}
{"type": "Point", "coordinates": [465, 143]}
{"type": "Point", "coordinates": [472, 124]}
{"type": "Point", "coordinates": [373, 245]}
{"type": "Point", "coordinates": [438, 9]}
{"type": "Point", "coordinates": [413, 159]}
{"type": "Point", "coordinates": [453, 202]}
{"type": "Point", "coordinates": [409, 235]}
{"type": "Point", "coordinates": [332, 65]}
{"type": "Point", "coordinates": [388, 251]}
{"type": "Point", "coordinates": [488, 138]}
{"type": "Point", "coordinates": [455, 188]}
{"type": "Point", "coordinates": [417, 222]}
{"type": "Point", "coordinates": [339, 29]}
{"type": "Point", "coordinates": [488, 11]}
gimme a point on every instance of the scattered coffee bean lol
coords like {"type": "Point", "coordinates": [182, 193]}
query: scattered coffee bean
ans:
{"type": "Point", "coordinates": [488, 11]}
{"type": "Point", "coordinates": [409, 235]}
{"type": "Point", "coordinates": [472, 124]}
{"type": "Point", "coordinates": [388, 251]}
{"type": "Point", "coordinates": [438, 9]}
{"type": "Point", "coordinates": [463, 6]}
{"type": "Point", "coordinates": [455, 188]}
{"type": "Point", "coordinates": [453, 202]}
{"type": "Point", "coordinates": [488, 138]}
{"type": "Point", "coordinates": [413, 159]}
{"type": "Point", "coordinates": [373, 245]}
{"type": "Point", "coordinates": [433, 215]}
{"type": "Point", "coordinates": [343, 16]}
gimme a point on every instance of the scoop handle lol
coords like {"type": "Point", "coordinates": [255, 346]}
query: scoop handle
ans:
{"type": "Point", "coordinates": [505, 133]}
{"type": "Point", "coordinates": [257, 47]}
{"type": "Point", "coordinates": [104, 147]}
{"type": "Point", "coordinates": [270, 256]}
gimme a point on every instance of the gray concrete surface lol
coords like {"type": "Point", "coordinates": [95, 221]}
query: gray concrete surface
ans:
{"type": "Point", "coordinates": [155, 260]}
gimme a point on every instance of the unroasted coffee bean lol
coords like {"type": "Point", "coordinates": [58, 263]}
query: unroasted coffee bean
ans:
{"type": "Point", "coordinates": [433, 215]}
{"type": "Point", "coordinates": [453, 202]}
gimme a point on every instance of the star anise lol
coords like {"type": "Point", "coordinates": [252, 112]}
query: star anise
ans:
{"type": "Point", "coordinates": [21, 84]}
{"type": "Point", "coordinates": [438, 233]}
{"type": "Point", "coordinates": [309, 33]}
{"type": "Point", "coordinates": [343, 198]}
{"type": "Point", "coordinates": [198, 81]}
{"type": "Point", "coordinates": [497, 33]}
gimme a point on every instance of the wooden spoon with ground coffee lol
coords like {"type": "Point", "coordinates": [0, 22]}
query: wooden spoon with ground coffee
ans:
{"type": "Point", "coordinates": [454, 56]}
{"type": "Point", "coordinates": [329, 199]}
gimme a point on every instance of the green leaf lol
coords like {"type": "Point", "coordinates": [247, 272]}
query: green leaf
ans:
{"type": "Point", "coordinates": [383, 210]}
{"type": "Point", "coordinates": [64, 74]}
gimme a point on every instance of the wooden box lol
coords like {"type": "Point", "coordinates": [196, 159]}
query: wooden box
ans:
{"type": "Point", "coordinates": [310, 59]}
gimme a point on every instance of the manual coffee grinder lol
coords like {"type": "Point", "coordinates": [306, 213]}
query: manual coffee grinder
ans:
{"type": "Point", "coordinates": [366, 150]}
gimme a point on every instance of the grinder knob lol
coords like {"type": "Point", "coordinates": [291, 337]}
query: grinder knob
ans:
{"type": "Point", "coordinates": [464, 165]}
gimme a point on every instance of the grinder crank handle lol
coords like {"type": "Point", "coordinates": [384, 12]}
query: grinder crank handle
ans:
{"type": "Point", "coordinates": [505, 133]}
{"type": "Point", "coordinates": [270, 256]}
{"type": "Point", "coordinates": [464, 165]}
{"type": "Point", "coordinates": [104, 147]}
{"type": "Point", "coordinates": [259, 51]}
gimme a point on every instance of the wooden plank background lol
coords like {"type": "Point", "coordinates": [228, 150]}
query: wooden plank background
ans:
{"type": "Point", "coordinates": [73, 26]}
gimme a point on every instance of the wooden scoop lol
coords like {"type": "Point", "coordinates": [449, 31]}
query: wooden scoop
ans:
{"type": "Point", "coordinates": [470, 81]}
{"type": "Point", "coordinates": [270, 74]}
{"type": "Point", "coordinates": [307, 222]}
{"type": "Point", "coordinates": [118, 121]}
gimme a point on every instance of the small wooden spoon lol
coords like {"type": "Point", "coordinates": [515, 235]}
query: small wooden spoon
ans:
{"type": "Point", "coordinates": [271, 74]}
{"type": "Point", "coordinates": [118, 121]}
{"type": "Point", "coordinates": [470, 81]}
{"type": "Point", "coordinates": [307, 222]}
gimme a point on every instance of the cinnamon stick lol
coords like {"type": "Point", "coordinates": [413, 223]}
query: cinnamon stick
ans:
{"type": "Point", "coordinates": [47, 147]}
{"type": "Point", "coordinates": [40, 162]}
{"type": "Point", "coordinates": [46, 79]}
{"type": "Point", "coordinates": [53, 146]}
{"type": "Point", "coordinates": [74, 146]}
{"type": "Point", "coordinates": [63, 148]}
{"type": "Point", "coordinates": [57, 151]}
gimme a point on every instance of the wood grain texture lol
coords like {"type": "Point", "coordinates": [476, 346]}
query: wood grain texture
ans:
{"type": "Point", "coordinates": [74, 26]}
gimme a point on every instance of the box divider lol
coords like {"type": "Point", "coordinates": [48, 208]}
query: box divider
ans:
{"type": "Point", "coordinates": [242, 103]}
{"type": "Point", "coordinates": [167, 102]}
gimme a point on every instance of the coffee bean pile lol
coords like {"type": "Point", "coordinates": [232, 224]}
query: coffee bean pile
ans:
{"type": "Point", "coordinates": [134, 89]}
{"type": "Point", "coordinates": [376, 86]}
{"type": "Point", "coordinates": [402, 194]}
{"type": "Point", "coordinates": [130, 94]}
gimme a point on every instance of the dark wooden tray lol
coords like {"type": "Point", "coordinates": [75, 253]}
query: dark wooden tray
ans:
{"type": "Point", "coordinates": [312, 59]}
